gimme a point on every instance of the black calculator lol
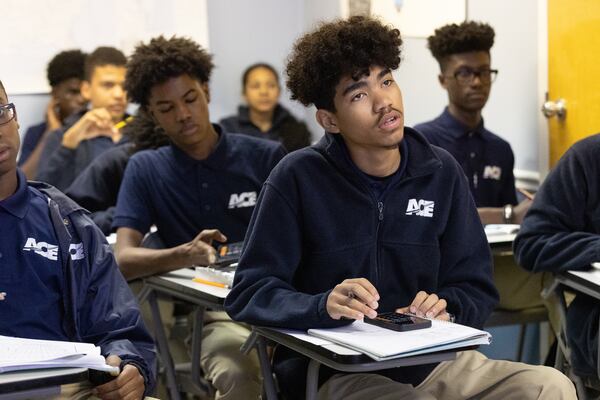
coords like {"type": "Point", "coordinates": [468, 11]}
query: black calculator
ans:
{"type": "Point", "coordinates": [398, 322]}
{"type": "Point", "coordinates": [229, 253]}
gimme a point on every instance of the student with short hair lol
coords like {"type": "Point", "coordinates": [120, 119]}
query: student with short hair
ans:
{"type": "Point", "coordinates": [561, 232]}
{"type": "Point", "coordinates": [201, 188]}
{"type": "Point", "coordinates": [64, 73]}
{"type": "Point", "coordinates": [371, 219]}
{"type": "Point", "coordinates": [58, 276]}
{"type": "Point", "coordinates": [263, 116]}
{"type": "Point", "coordinates": [70, 150]}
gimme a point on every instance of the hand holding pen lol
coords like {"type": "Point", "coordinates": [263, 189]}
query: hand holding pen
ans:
{"type": "Point", "coordinates": [353, 299]}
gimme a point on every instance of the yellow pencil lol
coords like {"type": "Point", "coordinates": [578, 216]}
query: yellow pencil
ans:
{"type": "Point", "coordinates": [211, 283]}
{"type": "Point", "coordinates": [525, 193]}
{"type": "Point", "coordinates": [121, 124]}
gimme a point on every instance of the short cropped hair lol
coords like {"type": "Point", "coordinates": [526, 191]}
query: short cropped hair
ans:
{"type": "Point", "coordinates": [256, 66]}
{"type": "Point", "coordinates": [103, 56]}
{"type": "Point", "coordinates": [464, 38]}
{"type": "Point", "coordinates": [162, 59]}
{"type": "Point", "coordinates": [321, 58]}
{"type": "Point", "coordinates": [65, 65]}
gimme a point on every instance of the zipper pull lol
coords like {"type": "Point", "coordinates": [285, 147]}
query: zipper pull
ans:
{"type": "Point", "coordinates": [380, 208]}
{"type": "Point", "coordinates": [475, 180]}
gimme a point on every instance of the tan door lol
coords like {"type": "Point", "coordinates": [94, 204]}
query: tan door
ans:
{"type": "Point", "coordinates": [573, 71]}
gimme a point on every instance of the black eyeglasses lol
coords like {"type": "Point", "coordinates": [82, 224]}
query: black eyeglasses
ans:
{"type": "Point", "coordinates": [466, 76]}
{"type": "Point", "coordinates": [7, 113]}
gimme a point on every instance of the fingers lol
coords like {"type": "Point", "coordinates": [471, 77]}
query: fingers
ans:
{"type": "Point", "coordinates": [113, 360]}
{"type": "Point", "coordinates": [202, 253]}
{"type": "Point", "coordinates": [354, 299]}
{"type": "Point", "coordinates": [427, 305]}
{"type": "Point", "coordinates": [208, 235]}
{"type": "Point", "coordinates": [128, 385]}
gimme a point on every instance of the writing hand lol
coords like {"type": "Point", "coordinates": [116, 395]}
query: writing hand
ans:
{"type": "Point", "coordinates": [354, 299]}
{"type": "Point", "coordinates": [199, 251]}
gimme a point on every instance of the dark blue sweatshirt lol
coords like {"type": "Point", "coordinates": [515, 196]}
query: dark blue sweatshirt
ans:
{"type": "Point", "coordinates": [317, 222]}
{"type": "Point", "coordinates": [561, 232]}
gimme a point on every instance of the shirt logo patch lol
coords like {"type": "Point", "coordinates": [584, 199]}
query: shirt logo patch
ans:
{"type": "Point", "coordinates": [421, 208]}
{"type": "Point", "coordinates": [492, 172]}
{"type": "Point", "coordinates": [76, 251]}
{"type": "Point", "coordinates": [49, 251]}
{"type": "Point", "coordinates": [245, 199]}
{"type": "Point", "coordinates": [2, 295]}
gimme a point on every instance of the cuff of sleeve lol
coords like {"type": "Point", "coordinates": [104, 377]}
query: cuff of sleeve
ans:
{"type": "Point", "coordinates": [148, 383]}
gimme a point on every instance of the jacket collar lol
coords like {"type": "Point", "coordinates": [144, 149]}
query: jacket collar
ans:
{"type": "Point", "coordinates": [422, 160]}
{"type": "Point", "coordinates": [457, 129]}
{"type": "Point", "coordinates": [65, 204]}
{"type": "Point", "coordinates": [217, 159]}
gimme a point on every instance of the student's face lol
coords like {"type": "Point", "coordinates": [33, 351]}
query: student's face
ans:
{"type": "Point", "coordinates": [9, 139]}
{"type": "Point", "coordinates": [469, 97]}
{"type": "Point", "coordinates": [261, 90]}
{"type": "Point", "coordinates": [180, 107]}
{"type": "Point", "coordinates": [369, 111]}
{"type": "Point", "coordinates": [105, 90]}
{"type": "Point", "coordinates": [68, 98]}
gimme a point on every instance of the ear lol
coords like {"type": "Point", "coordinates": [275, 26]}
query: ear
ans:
{"type": "Point", "coordinates": [442, 81]}
{"type": "Point", "coordinates": [327, 120]}
{"type": "Point", "coordinates": [206, 90]}
{"type": "Point", "coordinates": [86, 90]}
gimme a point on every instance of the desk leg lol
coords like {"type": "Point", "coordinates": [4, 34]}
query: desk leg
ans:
{"type": "Point", "coordinates": [200, 384]}
{"type": "Point", "coordinates": [312, 380]}
{"type": "Point", "coordinates": [163, 346]}
{"type": "Point", "coordinates": [265, 367]}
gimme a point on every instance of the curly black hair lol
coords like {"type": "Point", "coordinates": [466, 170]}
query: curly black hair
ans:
{"type": "Point", "coordinates": [102, 56]}
{"type": "Point", "coordinates": [66, 65]}
{"type": "Point", "coordinates": [144, 133]}
{"type": "Point", "coordinates": [162, 59]}
{"type": "Point", "coordinates": [464, 38]}
{"type": "Point", "coordinates": [321, 58]}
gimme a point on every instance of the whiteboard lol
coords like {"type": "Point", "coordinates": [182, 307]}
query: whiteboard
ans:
{"type": "Point", "coordinates": [33, 31]}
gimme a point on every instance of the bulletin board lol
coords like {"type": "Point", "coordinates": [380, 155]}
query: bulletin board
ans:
{"type": "Point", "coordinates": [33, 31]}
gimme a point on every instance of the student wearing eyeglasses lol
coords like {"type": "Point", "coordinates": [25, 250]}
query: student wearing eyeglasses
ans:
{"type": "Point", "coordinates": [466, 73]}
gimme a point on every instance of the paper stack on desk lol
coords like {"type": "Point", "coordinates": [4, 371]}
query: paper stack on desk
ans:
{"type": "Point", "coordinates": [19, 354]}
{"type": "Point", "coordinates": [384, 344]}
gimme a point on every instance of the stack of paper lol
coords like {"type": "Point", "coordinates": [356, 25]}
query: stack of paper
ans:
{"type": "Point", "coordinates": [19, 354]}
{"type": "Point", "coordinates": [384, 344]}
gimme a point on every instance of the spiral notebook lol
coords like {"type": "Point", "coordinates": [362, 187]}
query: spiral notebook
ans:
{"type": "Point", "coordinates": [384, 344]}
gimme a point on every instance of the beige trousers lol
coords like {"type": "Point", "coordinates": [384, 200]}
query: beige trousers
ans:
{"type": "Point", "coordinates": [470, 376]}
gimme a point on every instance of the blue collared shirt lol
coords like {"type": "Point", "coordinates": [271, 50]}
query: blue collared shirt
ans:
{"type": "Point", "coordinates": [30, 267]}
{"type": "Point", "coordinates": [486, 159]}
{"type": "Point", "coordinates": [182, 196]}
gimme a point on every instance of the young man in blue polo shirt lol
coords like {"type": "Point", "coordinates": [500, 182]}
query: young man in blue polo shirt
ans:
{"type": "Point", "coordinates": [371, 219]}
{"type": "Point", "coordinates": [203, 187]}
{"type": "Point", "coordinates": [58, 277]}
{"type": "Point", "coordinates": [88, 134]}
{"type": "Point", "coordinates": [561, 232]}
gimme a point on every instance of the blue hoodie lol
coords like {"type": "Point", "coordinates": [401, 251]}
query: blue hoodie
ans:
{"type": "Point", "coordinates": [317, 222]}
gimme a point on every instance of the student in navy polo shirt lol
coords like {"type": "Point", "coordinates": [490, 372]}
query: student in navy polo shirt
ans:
{"type": "Point", "coordinates": [203, 187]}
{"type": "Point", "coordinates": [64, 73]}
{"type": "Point", "coordinates": [70, 150]}
{"type": "Point", "coordinates": [371, 219]}
{"type": "Point", "coordinates": [463, 53]}
{"type": "Point", "coordinates": [561, 232]}
{"type": "Point", "coordinates": [58, 277]}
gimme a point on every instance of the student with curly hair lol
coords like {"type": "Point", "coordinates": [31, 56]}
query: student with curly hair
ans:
{"type": "Point", "coordinates": [199, 189]}
{"type": "Point", "coordinates": [263, 116]}
{"type": "Point", "coordinates": [371, 219]}
{"type": "Point", "coordinates": [65, 73]}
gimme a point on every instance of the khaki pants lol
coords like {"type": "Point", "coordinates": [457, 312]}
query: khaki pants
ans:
{"type": "Point", "coordinates": [518, 288]}
{"type": "Point", "coordinates": [470, 376]}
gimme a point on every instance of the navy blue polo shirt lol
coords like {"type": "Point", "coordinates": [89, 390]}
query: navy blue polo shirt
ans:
{"type": "Point", "coordinates": [33, 135]}
{"type": "Point", "coordinates": [30, 267]}
{"type": "Point", "coordinates": [182, 196]}
{"type": "Point", "coordinates": [486, 159]}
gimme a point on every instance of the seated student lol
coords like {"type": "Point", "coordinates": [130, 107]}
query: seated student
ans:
{"type": "Point", "coordinates": [561, 232]}
{"type": "Point", "coordinates": [263, 116]}
{"type": "Point", "coordinates": [463, 53]}
{"type": "Point", "coordinates": [65, 73]}
{"type": "Point", "coordinates": [58, 277]}
{"type": "Point", "coordinates": [205, 179]}
{"type": "Point", "coordinates": [97, 187]}
{"type": "Point", "coordinates": [70, 150]}
{"type": "Point", "coordinates": [371, 219]}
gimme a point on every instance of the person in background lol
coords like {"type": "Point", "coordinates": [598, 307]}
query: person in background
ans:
{"type": "Point", "coordinates": [64, 73]}
{"type": "Point", "coordinates": [97, 187]}
{"type": "Point", "coordinates": [371, 219]}
{"type": "Point", "coordinates": [59, 279]}
{"type": "Point", "coordinates": [71, 149]}
{"type": "Point", "coordinates": [263, 116]}
{"type": "Point", "coordinates": [201, 188]}
{"type": "Point", "coordinates": [561, 232]}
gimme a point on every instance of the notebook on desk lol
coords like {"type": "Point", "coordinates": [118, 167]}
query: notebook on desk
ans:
{"type": "Point", "coordinates": [385, 344]}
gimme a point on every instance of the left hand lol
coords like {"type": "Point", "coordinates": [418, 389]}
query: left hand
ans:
{"type": "Point", "coordinates": [427, 305]}
{"type": "Point", "coordinates": [129, 385]}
